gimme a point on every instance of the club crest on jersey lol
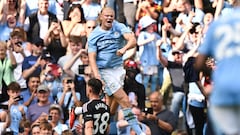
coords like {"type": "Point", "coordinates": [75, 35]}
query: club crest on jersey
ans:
{"type": "Point", "coordinates": [116, 34]}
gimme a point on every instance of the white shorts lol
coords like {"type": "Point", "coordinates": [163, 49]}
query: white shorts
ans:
{"type": "Point", "coordinates": [113, 79]}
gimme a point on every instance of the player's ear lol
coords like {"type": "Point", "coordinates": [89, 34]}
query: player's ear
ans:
{"type": "Point", "coordinates": [90, 89]}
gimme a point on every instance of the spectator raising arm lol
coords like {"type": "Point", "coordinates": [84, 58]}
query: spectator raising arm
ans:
{"type": "Point", "coordinates": [11, 56]}
{"type": "Point", "coordinates": [55, 31]}
{"type": "Point", "coordinates": [160, 57]}
{"type": "Point", "coordinates": [68, 65]}
{"type": "Point", "coordinates": [29, 71]}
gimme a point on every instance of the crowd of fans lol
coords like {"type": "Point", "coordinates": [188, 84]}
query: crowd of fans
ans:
{"type": "Point", "coordinates": [44, 67]}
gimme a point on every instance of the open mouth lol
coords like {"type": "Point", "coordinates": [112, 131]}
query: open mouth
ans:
{"type": "Point", "coordinates": [109, 21]}
{"type": "Point", "coordinates": [11, 22]}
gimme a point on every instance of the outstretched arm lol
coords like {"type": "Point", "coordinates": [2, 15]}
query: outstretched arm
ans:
{"type": "Point", "coordinates": [11, 56]}
{"type": "Point", "coordinates": [160, 57]}
{"type": "Point", "coordinates": [69, 64]}
{"type": "Point", "coordinates": [3, 11]}
{"type": "Point", "coordinates": [22, 11]}
{"type": "Point", "coordinates": [219, 7]}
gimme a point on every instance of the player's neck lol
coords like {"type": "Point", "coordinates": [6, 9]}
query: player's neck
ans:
{"type": "Point", "coordinates": [94, 97]}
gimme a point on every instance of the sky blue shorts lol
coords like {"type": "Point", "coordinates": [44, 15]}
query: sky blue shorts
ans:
{"type": "Point", "coordinates": [113, 79]}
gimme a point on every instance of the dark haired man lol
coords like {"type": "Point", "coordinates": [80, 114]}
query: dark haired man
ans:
{"type": "Point", "coordinates": [31, 64]}
{"type": "Point", "coordinates": [96, 113]}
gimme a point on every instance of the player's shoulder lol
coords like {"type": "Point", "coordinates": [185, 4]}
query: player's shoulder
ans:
{"type": "Point", "coordinates": [95, 105]}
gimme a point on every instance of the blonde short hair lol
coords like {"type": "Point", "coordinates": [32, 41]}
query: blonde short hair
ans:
{"type": "Point", "coordinates": [3, 45]}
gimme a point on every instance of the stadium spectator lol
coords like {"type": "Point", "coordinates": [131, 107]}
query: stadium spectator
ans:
{"type": "Point", "coordinates": [7, 66]}
{"type": "Point", "coordinates": [40, 109]}
{"type": "Point", "coordinates": [68, 97]}
{"type": "Point", "coordinates": [75, 45]}
{"type": "Point", "coordinates": [75, 22]}
{"type": "Point", "coordinates": [15, 8]}
{"type": "Point", "coordinates": [91, 9]}
{"type": "Point", "coordinates": [55, 41]}
{"type": "Point", "coordinates": [161, 120]}
{"type": "Point", "coordinates": [32, 64]}
{"type": "Point", "coordinates": [147, 40]}
{"type": "Point", "coordinates": [84, 74]}
{"type": "Point", "coordinates": [17, 110]}
{"type": "Point", "coordinates": [36, 24]}
{"type": "Point", "coordinates": [55, 113]}
{"type": "Point", "coordinates": [18, 38]}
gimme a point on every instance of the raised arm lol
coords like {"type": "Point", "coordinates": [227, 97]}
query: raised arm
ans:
{"type": "Point", "coordinates": [22, 11]}
{"type": "Point", "coordinates": [169, 6]}
{"type": "Point", "coordinates": [138, 12]}
{"type": "Point", "coordinates": [63, 38]}
{"type": "Point", "coordinates": [219, 7]}
{"type": "Point", "coordinates": [62, 97]}
{"type": "Point", "coordinates": [164, 33]}
{"type": "Point", "coordinates": [160, 57]}
{"type": "Point", "coordinates": [190, 53]}
{"type": "Point", "coordinates": [74, 94]}
{"type": "Point", "coordinates": [11, 56]}
{"type": "Point", "coordinates": [29, 101]}
{"type": "Point", "coordinates": [69, 25]}
{"type": "Point", "coordinates": [69, 64]}
{"type": "Point", "coordinates": [3, 11]}
{"type": "Point", "coordinates": [27, 72]}
{"type": "Point", "coordinates": [47, 39]}
{"type": "Point", "coordinates": [198, 4]}
{"type": "Point", "coordinates": [146, 7]}
{"type": "Point", "coordinates": [180, 42]}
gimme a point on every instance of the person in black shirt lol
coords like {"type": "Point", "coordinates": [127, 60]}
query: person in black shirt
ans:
{"type": "Point", "coordinates": [131, 85]}
{"type": "Point", "coordinates": [96, 113]}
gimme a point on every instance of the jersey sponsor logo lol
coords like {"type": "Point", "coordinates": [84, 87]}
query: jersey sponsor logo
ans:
{"type": "Point", "coordinates": [107, 42]}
